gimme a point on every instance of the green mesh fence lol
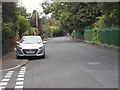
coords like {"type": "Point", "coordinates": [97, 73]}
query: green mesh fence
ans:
{"type": "Point", "coordinates": [77, 35]}
{"type": "Point", "coordinates": [88, 35]}
{"type": "Point", "coordinates": [109, 35]}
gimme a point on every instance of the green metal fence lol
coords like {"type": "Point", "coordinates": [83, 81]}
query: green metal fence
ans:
{"type": "Point", "coordinates": [88, 35]}
{"type": "Point", "coordinates": [109, 35]}
{"type": "Point", "coordinates": [77, 35]}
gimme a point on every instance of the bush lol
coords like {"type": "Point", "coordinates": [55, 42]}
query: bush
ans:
{"type": "Point", "coordinates": [95, 38]}
{"type": "Point", "coordinates": [23, 25]}
{"type": "Point", "coordinates": [7, 32]}
{"type": "Point", "coordinates": [55, 30]}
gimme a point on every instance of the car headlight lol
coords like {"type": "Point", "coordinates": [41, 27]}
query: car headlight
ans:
{"type": "Point", "coordinates": [41, 47]}
{"type": "Point", "coordinates": [19, 47]}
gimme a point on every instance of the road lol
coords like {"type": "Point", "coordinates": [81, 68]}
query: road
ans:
{"type": "Point", "coordinates": [70, 64]}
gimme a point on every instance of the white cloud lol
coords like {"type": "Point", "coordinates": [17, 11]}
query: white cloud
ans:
{"type": "Point", "coordinates": [31, 5]}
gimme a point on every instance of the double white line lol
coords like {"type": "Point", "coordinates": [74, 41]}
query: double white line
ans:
{"type": "Point", "coordinates": [20, 78]}
{"type": "Point", "coordinates": [6, 79]}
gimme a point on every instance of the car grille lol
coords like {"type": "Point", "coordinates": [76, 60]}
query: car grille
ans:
{"type": "Point", "coordinates": [30, 51]}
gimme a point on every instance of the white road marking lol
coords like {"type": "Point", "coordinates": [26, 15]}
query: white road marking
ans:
{"type": "Point", "coordinates": [1, 87]}
{"type": "Point", "coordinates": [18, 86]}
{"type": "Point", "coordinates": [23, 69]}
{"type": "Point", "coordinates": [8, 76]}
{"type": "Point", "coordinates": [20, 75]}
{"type": "Point", "coordinates": [94, 63]}
{"type": "Point", "coordinates": [5, 80]}
{"type": "Point", "coordinates": [19, 79]}
{"type": "Point", "coordinates": [3, 83]}
{"type": "Point", "coordinates": [10, 71]}
{"type": "Point", "coordinates": [19, 83]}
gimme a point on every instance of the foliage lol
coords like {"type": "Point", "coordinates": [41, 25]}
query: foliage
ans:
{"type": "Point", "coordinates": [75, 15]}
{"type": "Point", "coordinates": [73, 34]}
{"type": "Point", "coordinates": [34, 32]}
{"type": "Point", "coordinates": [54, 22]}
{"type": "Point", "coordinates": [110, 17]}
{"type": "Point", "coordinates": [14, 19]}
{"type": "Point", "coordinates": [21, 10]}
{"type": "Point", "coordinates": [111, 12]}
{"type": "Point", "coordinates": [23, 25]}
{"type": "Point", "coordinates": [7, 31]}
{"type": "Point", "coordinates": [55, 30]}
{"type": "Point", "coordinates": [9, 12]}
{"type": "Point", "coordinates": [46, 32]}
{"type": "Point", "coordinates": [47, 7]}
{"type": "Point", "coordinates": [95, 38]}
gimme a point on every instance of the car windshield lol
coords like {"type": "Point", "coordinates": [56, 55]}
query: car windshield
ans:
{"type": "Point", "coordinates": [31, 40]}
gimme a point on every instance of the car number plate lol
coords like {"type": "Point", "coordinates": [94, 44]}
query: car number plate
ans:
{"type": "Point", "coordinates": [29, 51]}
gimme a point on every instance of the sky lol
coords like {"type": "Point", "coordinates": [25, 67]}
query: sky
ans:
{"type": "Point", "coordinates": [31, 5]}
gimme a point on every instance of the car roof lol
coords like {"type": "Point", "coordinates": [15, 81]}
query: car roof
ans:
{"type": "Point", "coordinates": [31, 36]}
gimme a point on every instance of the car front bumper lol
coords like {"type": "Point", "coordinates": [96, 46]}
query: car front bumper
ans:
{"type": "Point", "coordinates": [22, 52]}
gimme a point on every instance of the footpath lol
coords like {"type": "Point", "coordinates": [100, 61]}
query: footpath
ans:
{"type": "Point", "coordinates": [9, 62]}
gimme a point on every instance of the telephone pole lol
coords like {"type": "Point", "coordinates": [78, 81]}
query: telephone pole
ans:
{"type": "Point", "coordinates": [37, 22]}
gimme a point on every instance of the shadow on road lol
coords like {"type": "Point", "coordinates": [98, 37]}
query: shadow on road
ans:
{"type": "Point", "coordinates": [32, 58]}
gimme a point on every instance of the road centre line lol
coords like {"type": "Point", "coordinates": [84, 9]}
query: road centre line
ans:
{"type": "Point", "coordinates": [18, 86]}
{"type": "Point", "coordinates": [21, 73]}
{"type": "Point", "coordinates": [19, 83]}
{"type": "Point", "coordinates": [23, 69]}
{"type": "Point", "coordinates": [20, 79]}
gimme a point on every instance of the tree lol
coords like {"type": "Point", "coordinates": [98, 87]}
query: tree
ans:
{"type": "Point", "coordinates": [23, 25]}
{"type": "Point", "coordinates": [21, 10]}
{"type": "Point", "coordinates": [9, 12]}
{"type": "Point", "coordinates": [47, 7]}
{"type": "Point", "coordinates": [75, 15]}
{"type": "Point", "coordinates": [111, 12]}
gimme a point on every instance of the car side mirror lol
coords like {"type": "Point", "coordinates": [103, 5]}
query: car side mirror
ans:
{"type": "Point", "coordinates": [17, 42]}
{"type": "Point", "coordinates": [44, 42]}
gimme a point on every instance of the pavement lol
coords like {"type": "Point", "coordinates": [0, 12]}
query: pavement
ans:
{"type": "Point", "coordinates": [9, 62]}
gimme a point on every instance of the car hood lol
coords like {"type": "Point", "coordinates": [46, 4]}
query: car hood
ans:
{"type": "Point", "coordinates": [30, 46]}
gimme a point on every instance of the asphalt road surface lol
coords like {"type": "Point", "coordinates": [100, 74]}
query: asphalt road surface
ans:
{"type": "Point", "coordinates": [69, 64]}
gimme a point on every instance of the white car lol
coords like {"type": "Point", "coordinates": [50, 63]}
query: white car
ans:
{"type": "Point", "coordinates": [30, 46]}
